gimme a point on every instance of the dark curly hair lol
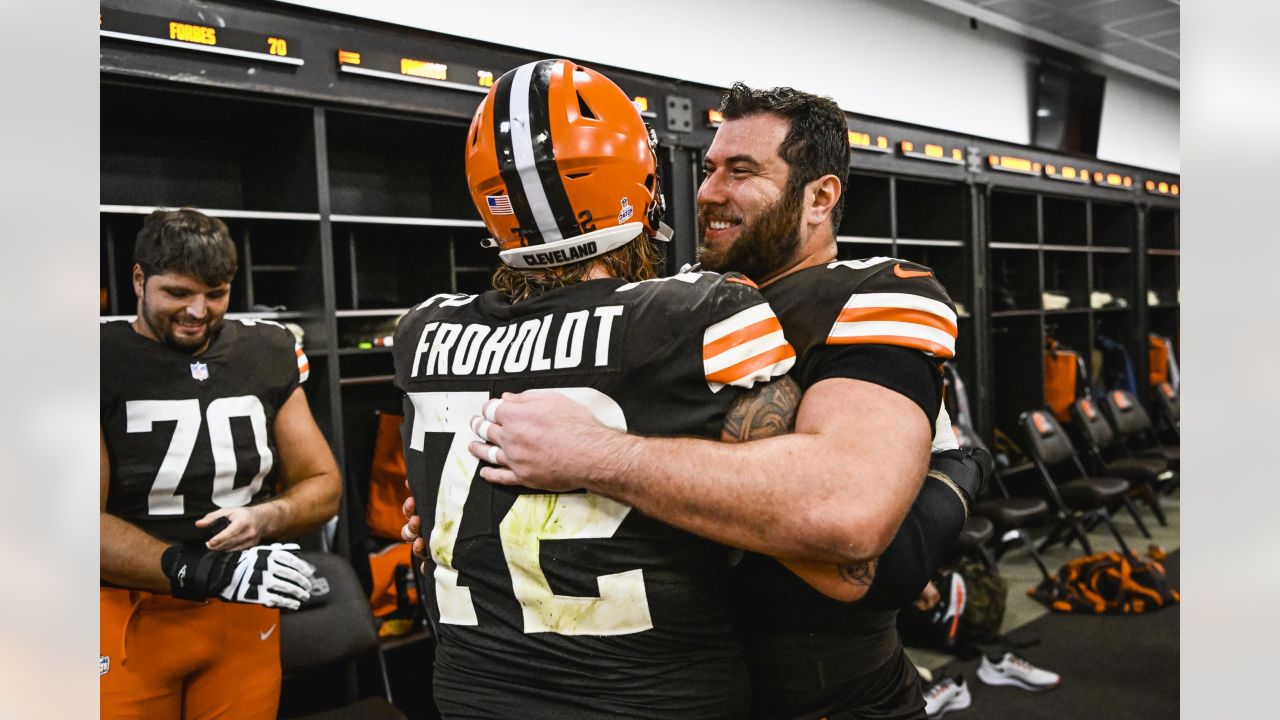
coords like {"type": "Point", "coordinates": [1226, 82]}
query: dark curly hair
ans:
{"type": "Point", "coordinates": [817, 143]}
{"type": "Point", "coordinates": [186, 241]}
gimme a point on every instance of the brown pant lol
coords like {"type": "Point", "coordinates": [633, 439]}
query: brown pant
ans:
{"type": "Point", "coordinates": [165, 658]}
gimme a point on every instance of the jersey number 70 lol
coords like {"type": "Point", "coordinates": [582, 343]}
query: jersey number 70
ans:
{"type": "Point", "coordinates": [622, 606]}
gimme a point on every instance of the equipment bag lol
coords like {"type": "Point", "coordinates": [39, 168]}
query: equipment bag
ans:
{"type": "Point", "coordinates": [984, 607]}
{"type": "Point", "coordinates": [1157, 359]}
{"type": "Point", "coordinates": [1063, 378]}
{"type": "Point", "coordinates": [1107, 583]}
{"type": "Point", "coordinates": [393, 588]}
{"type": "Point", "coordinates": [387, 491]}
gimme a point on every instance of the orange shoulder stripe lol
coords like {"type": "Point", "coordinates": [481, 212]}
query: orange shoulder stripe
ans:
{"type": "Point", "coordinates": [736, 372]}
{"type": "Point", "coordinates": [895, 314]}
{"type": "Point", "coordinates": [757, 329]}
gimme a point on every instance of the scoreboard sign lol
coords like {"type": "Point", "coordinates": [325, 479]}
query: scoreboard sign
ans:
{"type": "Point", "coordinates": [189, 34]}
{"type": "Point", "coordinates": [418, 70]}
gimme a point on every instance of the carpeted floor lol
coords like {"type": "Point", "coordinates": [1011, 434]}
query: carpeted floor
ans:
{"type": "Point", "coordinates": [1112, 668]}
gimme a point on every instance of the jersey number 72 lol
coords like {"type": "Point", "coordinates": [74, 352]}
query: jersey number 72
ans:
{"type": "Point", "coordinates": [622, 606]}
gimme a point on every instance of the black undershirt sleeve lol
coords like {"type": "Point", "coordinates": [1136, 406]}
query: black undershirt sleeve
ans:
{"type": "Point", "coordinates": [928, 532]}
{"type": "Point", "coordinates": [924, 541]}
{"type": "Point", "coordinates": [903, 370]}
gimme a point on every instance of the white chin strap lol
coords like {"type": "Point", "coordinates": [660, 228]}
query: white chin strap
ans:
{"type": "Point", "coordinates": [574, 249]}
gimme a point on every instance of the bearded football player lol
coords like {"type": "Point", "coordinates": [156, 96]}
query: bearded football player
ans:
{"type": "Point", "coordinates": [209, 458]}
{"type": "Point", "coordinates": [846, 486]}
{"type": "Point", "coordinates": [570, 604]}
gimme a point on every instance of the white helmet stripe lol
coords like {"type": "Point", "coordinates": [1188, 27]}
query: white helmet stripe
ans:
{"type": "Point", "coordinates": [522, 150]}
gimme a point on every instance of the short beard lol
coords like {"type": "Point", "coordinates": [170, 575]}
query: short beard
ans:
{"type": "Point", "coordinates": [170, 339]}
{"type": "Point", "coordinates": [764, 246]}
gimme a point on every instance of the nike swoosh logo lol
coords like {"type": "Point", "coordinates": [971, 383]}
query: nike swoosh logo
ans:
{"type": "Point", "coordinates": [267, 633]}
{"type": "Point", "coordinates": [904, 274]}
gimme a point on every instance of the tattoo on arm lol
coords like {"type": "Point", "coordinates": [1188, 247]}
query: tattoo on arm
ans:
{"type": "Point", "coordinates": [860, 573]}
{"type": "Point", "coordinates": [767, 411]}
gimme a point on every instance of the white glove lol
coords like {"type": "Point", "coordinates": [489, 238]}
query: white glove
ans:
{"type": "Point", "coordinates": [270, 575]}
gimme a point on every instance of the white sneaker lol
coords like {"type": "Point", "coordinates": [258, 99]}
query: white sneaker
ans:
{"type": "Point", "coordinates": [1013, 670]}
{"type": "Point", "coordinates": [947, 694]}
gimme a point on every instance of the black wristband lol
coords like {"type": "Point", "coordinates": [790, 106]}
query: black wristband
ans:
{"type": "Point", "coordinates": [194, 571]}
{"type": "Point", "coordinates": [968, 470]}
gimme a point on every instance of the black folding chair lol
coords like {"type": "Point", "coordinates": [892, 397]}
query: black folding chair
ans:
{"type": "Point", "coordinates": [1005, 515]}
{"type": "Point", "coordinates": [1083, 498]}
{"type": "Point", "coordinates": [335, 627]}
{"type": "Point", "coordinates": [1168, 405]}
{"type": "Point", "coordinates": [1133, 427]}
{"type": "Point", "coordinates": [1145, 475]}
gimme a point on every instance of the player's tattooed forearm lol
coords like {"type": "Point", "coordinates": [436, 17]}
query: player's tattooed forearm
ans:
{"type": "Point", "coordinates": [765, 412]}
{"type": "Point", "coordinates": [859, 573]}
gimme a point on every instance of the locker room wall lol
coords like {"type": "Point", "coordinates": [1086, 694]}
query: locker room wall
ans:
{"type": "Point", "coordinates": [898, 59]}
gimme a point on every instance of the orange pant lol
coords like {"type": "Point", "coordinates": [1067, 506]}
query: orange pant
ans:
{"type": "Point", "coordinates": [166, 658]}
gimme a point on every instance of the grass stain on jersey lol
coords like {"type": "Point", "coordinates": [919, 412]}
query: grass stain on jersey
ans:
{"type": "Point", "coordinates": [622, 606]}
{"type": "Point", "coordinates": [442, 548]}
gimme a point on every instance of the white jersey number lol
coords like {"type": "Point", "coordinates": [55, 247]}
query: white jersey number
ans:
{"type": "Point", "coordinates": [164, 498]}
{"type": "Point", "coordinates": [622, 606]}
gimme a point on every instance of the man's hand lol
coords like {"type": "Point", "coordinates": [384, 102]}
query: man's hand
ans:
{"type": "Point", "coordinates": [929, 598]}
{"type": "Point", "coordinates": [248, 527]}
{"type": "Point", "coordinates": [269, 575]}
{"type": "Point", "coordinates": [412, 530]}
{"type": "Point", "coordinates": [540, 438]}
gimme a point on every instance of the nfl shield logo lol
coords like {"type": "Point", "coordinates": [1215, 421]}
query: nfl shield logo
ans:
{"type": "Point", "coordinates": [104, 664]}
{"type": "Point", "coordinates": [199, 371]}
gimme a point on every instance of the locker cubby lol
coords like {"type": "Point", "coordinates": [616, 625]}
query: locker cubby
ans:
{"type": "Point", "coordinates": [172, 148]}
{"type": "Point", "coordinates": [279, 261]}
{"type": "Point", "coordinates": [1114, 225]}
{"type": "Point", "coordinates": [469, 253]}
{"type": "Point", "coordinates": [1015, 280]}
{"type": "Point", "coordinates": [867, 207]}
{"type": "Point", "coordinates": [1072, 331]}
{"type": "Point", "coordinates": [966, 349]}
{"type": "Point", "coordinates": [1067, 273]}
{"type": "Point", "coordinates": [1114, 273]}
{"type": "Point", "coordinates": [1018, 369]}
{"type": "Point", "coordinates": [1118, 326]}
{"type": "Point", "coordinates": [390, 266]}
{"type": "Point", "coordinates": [118, 235]}
{"type": "Point", "coordinates": [1162, 228]}
{"type": "Point", "coordinates": [1065, 221]}
{"type": "Point", "coordinates": [365, 365]}
{"type": "Point", "coordinates": [1013, 217]}
{"type": "Point", "coordinates": [363, 334]}
{"type": "Point", "coordinates": [846, 250]}
{"type": "Point", "coordinates": [1163, 280]}
{"type": "Point", "coordinates": [390, 166]}
{"type": "Point", "coordinates": [931, 210]}
{"type": "Point", "coordinates": [473, 282]}
{"type": "Point", "coordinates": [1165, 321]}
{"type": "Point", "coordinates": [317, 388]}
